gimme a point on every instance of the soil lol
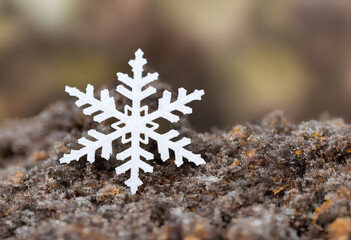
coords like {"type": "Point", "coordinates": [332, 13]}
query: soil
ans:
{"type": "Point", "coordinates": [268, 180]}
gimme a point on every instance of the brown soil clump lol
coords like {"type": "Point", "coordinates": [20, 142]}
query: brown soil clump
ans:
{"type": "Point", "coordinates": [271, 180]}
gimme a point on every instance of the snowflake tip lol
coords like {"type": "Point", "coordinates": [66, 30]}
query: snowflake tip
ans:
{"type": "Point", "coordinates": [199, 160]}
{"type": "Point", "coordinates": [138, 63]}
{"type": "Point", "coordinates": [67, 89]}
{"type": "Point", "coordinates": [199, 93]}
{"type": "Point", "coordinates": [133, 184]}
{"type": "Point", "coordinates": [139, 52]}
{"type": "Point", "coordinates": [64, 160]}
{"type": "Point", "coordinates": [72, 91]}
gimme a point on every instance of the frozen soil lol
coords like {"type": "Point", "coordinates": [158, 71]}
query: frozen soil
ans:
{"type": "Point", "coordinates": [268, 180]}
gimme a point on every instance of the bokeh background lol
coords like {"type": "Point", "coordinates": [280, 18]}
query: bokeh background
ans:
{"type": "Point", "coordinates": [250, 56]}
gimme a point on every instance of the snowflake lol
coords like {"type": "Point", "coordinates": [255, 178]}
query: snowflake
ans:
{"type": "Point", "coordinates": [136, 125]}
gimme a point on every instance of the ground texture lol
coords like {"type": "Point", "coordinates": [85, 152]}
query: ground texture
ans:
{"type": "Point", "coordinates": [268, 180]}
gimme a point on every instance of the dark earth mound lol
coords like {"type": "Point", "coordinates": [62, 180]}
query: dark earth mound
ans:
{"type": "Point", "coordinates": [271, 180]}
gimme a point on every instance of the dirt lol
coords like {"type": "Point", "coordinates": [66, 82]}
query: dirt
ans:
{"type": "Point", "coordinates": [273, 179]}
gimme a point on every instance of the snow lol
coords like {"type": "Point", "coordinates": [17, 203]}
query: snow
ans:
{"type": "Point", "coordinates": [136, 121]}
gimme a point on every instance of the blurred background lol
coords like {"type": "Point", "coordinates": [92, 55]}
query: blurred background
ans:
{"type": "Point", "coordinates": [250, 56]}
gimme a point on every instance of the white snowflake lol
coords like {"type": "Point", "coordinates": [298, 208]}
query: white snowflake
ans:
{"type": "Point", "coordinates": [134, 123]}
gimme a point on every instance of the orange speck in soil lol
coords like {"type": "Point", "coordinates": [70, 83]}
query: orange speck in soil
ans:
{"type": "Point", "coordinates": [64, 149]}
{"type": "Point", "coordinates": [235, 130]}
{"type": "Point", "coordinates": [298, 152]}
{"type": "Point", "coordinates": [276, 178]}
{"type": "Point", "coordinates": [278, 190]}
{"type": "Point", "coordinates": [17, 174]}
{"type": "Point", "coordinates": [238, 132]}
{"type": "Point", "coordinates": [343, 192]}
{"type": "Point", "coordinates": [295, 191]}
{"type": "Point", "coordinates": [250, 153]}
{"type": "Point", "coordinates": [348, 150]}
{"type": "Point", "coordinates": [340, 229]}
{"type": "Point", "coordinates": [17, 177]}
{"type": "Point", "coordinates": [166, 231]}
{"type": "Point", "coordinates": [316, 135]}
{"type": "Point", "coordinates": [236, 163]}
{"type": "Point", "coordinates": [324, 206]}
{"type": "Point", "coordinates": [116, 191]}
{"type": "Point", "coordinates": [90, 186]}
{"type": "Point", "coordinates": [39, 156]}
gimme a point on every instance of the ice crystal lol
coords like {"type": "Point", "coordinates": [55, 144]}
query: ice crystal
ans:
{"type": "Point", "coordinates": [134, 123]}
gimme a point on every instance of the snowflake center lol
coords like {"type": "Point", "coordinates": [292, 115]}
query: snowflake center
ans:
{"type": "Point", "coordinates": [136, 123]}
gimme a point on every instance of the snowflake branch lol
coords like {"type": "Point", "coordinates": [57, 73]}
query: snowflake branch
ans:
{"type": "Point", "coordinates": [138, 82]}
{"type": "Point", "coordinates": [166, 107]}
{"type": "Point", "coordinates": [135, 152]}
{"type": "Point", "coordinates": [124, 78]}
{"type": "Point", "coordinates": [134, 165]}
{"type": "Point", "coordinates": [106, 104]}
{"type": "Point", "coordinates": [165, 144]}
{"type": "Point", "coordinates": [137, 65]}
{"type": "Point", "coordinates": [150, 77]}
{"type": "Point", "coordinates": [90, 147]}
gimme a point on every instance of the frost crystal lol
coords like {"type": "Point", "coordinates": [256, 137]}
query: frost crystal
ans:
{"type": "Point", "coordinates": [134, 123]}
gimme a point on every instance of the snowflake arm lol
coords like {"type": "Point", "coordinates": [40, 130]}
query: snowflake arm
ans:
{"type": "Point", "coordinates": [165, 144]}
{"type": "Point", "coordinates": [138, 82]}
{"type": "Point", "coordinates": [134, 164]}
{"type": "Point", "coordinates": [124, 78]}
{"type": "Point", "coordinates": [106, 104]}
{"type": "Point", "coordinates": [90, 147]}
{"type": "Point", "coordinates": [166, 107]}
